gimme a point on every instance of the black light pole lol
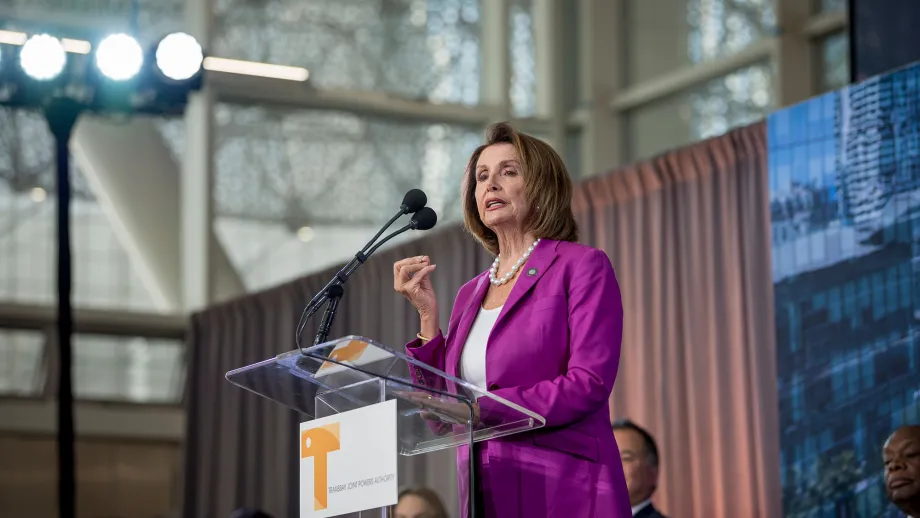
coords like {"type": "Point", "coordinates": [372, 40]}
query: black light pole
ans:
{"type": "Point", "coordinates": [62, 115]}
{"type": "Point", "coordinates": [151, 91]}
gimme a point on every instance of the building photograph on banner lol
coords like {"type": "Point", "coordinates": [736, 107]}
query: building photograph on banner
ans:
{"type": "Point", "coordinates": [845, 200]}
{"type": "Point", "coordinates": [348, 465]}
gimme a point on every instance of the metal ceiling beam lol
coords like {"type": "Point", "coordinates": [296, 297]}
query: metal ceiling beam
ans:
{"type": "Point", "coordinates": [120, 323]}
{"type": "Point", "coordinates": [251, 90]}
{"type": "Point", "coordinates": [685, 77]}
{"type": "Point", "coordinates": [825, 24]}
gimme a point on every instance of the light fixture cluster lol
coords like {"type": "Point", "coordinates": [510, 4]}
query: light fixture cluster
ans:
{"type": "Point", "coordinates": [114, 74]}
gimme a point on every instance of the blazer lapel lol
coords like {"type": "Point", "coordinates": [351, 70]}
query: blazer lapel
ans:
{"type": "Point", "coordinates": [541, 259]}
{"type": "Point", "coordinates": [466, 323]}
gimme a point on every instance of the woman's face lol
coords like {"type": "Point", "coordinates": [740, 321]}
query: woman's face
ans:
{"type": "Point", "coordinates": [500, 188]}
{"type": "Point", "coordinates": [411, 506]}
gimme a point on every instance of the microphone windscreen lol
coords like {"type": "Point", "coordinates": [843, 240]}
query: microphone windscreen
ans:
{"type": "Point", "coordinates": [414, 200]}
{"type": "Point", "coordinates": [425, 219]}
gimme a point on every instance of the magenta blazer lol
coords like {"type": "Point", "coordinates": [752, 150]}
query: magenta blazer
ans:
{"type": "Point", "coordinates": [555, 349]}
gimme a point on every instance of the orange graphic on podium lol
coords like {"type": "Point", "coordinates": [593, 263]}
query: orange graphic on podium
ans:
{"type": "Point", "coordinates": [350, 353]}
{"type": "Point", "coordinates": [318, 443]}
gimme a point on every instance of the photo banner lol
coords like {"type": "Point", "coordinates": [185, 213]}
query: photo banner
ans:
{"type": "Point", "coordinates": [845, 203]}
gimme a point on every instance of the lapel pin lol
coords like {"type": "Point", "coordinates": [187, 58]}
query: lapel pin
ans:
{"type": "Point", "coordinates": [531, 272]}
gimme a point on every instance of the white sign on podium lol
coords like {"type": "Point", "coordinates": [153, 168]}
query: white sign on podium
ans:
{"type": "Point", "coordinates": [348, 462]}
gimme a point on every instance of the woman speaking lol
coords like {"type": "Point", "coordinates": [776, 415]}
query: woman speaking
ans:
{"type": "Point", "coordinates": [542, 329]}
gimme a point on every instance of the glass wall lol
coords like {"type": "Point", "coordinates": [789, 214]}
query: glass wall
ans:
{"type": "Point", "coordinates": [711, 109]}
{"type": "Point", "coordinates": [296, 189]}
{"type": "Point", "coordinates": [835, 61]}
{"type": "Point", "coordinates": [419, 49]}
{"type": "Point", "coordinates": [664, 37]}
{"type": "Point", "coordinates": [103, 276]}
{"type": "Point", "coordinates": [22, 356]}
{"type": "Point", "coordinates": [523, 56]}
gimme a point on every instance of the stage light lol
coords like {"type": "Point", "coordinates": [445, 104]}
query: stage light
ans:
{"type": "Point", "coordinates": [179, 56]}
{"type": "Point", "coordinates": [42, 57]}
{"type": "Point", "coordinates": [41, 79]}
{"type": "Point", "coordinates": [119, 57]}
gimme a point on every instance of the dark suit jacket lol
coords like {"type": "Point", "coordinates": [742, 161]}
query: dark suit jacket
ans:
{"type": "Point", "coordinates": [649, 512]}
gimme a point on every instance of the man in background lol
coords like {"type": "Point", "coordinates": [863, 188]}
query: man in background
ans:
{"type": "Point", "coordinates": [902, 469]}
{"type": "Point", "coordinates": [639, 455]}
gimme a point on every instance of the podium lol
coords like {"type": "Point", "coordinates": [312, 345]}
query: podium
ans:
{"type": "Point", "coordinates": [355, 372]}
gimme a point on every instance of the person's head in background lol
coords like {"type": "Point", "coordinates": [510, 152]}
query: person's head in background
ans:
{"type": "Point", "coordinates": [902, 469]}
{"type": "Point", "coordinates": [419, 503]}
{"type": "Point", "coordinates": [639, 455]}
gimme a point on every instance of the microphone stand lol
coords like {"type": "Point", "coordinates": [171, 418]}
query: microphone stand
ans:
{"type": "Point", "coordinates": [334, 290]}
{"type": "Point", "coordinates": [333, 297]}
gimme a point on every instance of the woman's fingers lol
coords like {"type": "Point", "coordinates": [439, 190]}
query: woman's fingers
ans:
{"type": "Point", "coordinates": [410, 270]}
{"type": "Point", "coordinates": [403, 270]}
{"type": "Point", "coordinates": [420, 275]}
{"type": "Point", "coordinates": [398, 266]}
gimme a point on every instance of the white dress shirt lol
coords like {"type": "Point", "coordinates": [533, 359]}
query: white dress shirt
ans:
{"type": "Point", "coordinates": [641, 506]}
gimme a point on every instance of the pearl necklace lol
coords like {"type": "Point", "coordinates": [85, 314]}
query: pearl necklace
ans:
{"type": "Point", "coordinates": [492, 271]}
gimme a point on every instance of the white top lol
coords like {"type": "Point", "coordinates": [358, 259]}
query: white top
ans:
{"type": "Point", "coordinates": [641, 506]}
{"type": "Point", "coordinates": [473, 356]}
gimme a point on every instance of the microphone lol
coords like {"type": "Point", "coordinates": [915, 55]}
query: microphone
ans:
{"type": "Point", "coordinates": [413, 201]}
{"type": "Point", "coordinates": [423, 218]}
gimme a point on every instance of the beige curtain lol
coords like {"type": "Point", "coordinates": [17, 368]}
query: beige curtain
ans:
{"type": "Point", "coordinates": [688, 234]}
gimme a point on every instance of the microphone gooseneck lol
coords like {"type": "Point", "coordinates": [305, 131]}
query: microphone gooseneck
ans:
{"type": "Point", "coordinates": [423, 218]}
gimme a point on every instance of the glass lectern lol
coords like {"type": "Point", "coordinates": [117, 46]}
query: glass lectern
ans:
{"type": "Point", "coordinates": [354, 372]}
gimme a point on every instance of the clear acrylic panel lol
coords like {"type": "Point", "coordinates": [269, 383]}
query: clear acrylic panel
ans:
{"type": "Point", "coordinates": [353, 372]}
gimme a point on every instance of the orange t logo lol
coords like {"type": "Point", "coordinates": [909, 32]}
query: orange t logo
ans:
{"type": "Point", "coordinates": [317, 443]}
{"type": "Point", "coordinates": [350, 353]}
